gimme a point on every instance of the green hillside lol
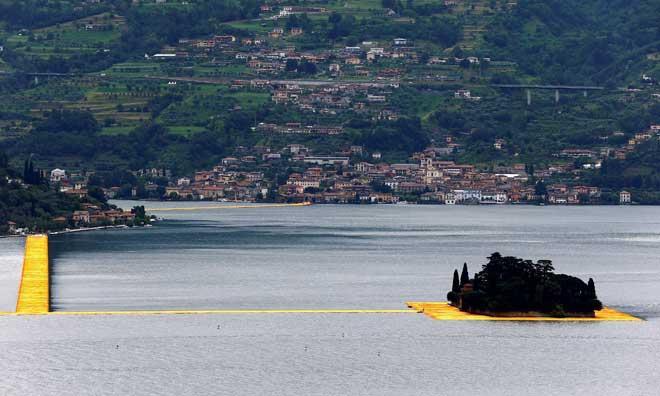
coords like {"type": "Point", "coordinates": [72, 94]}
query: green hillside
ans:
{"type": "Point", "coordinates": [100, 61]}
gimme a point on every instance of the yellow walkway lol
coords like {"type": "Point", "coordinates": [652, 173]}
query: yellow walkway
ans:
{"type": "Point", "coordinates": [444, 311]}
{"type": "Point", "coordinates": [33, 293]}
{"type": "Point", "coordinates": [258, 206]}
{"type": "Point", "coordinates": [34, 298]}
{"type": "Point", "coordinates": [224, 312]}
{"type": "Point", "coordinates": [241, 311]}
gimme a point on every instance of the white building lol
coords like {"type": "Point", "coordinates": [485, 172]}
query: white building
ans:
{"type": "Point", "coordinates": [493, 197]}
{"type": "Point", "coordinates": [467, 195]}
{"type": "Point", "coordinates": [57, 175]}
{"type": "Point", "coordinates": [306, 182]}
{"type": "Point", "coordinates": [322, 160]}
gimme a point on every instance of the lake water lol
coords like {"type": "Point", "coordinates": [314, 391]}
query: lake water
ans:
{"type": "Point", "coordinates": [332, 257]}
{"type": "Point", "coordinates": [11, 264]}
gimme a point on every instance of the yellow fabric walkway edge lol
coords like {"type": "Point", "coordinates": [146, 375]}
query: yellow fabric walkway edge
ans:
{"type": "Point", "coordinates": [445, 311]}
{"type": "Point", "coordinates": [221, 312]}
{"type": "Point", "coordinates": [34, 293]}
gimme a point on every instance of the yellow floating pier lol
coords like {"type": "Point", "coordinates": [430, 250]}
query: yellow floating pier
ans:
{"type": "Point", "coordinates": [34, 298]}
{"type": "Point", "coordinates": [258, 206]}
{"type": "Point", "coordinates": [241, 312]}
{"type": "Point", "coordinates": [222, 312]}
{"type": "Point", "coordinates": [445, 311]}
{"type": "Point", "coordinates": [34, 293]}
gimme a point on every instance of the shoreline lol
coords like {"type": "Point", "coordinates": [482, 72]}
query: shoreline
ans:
{"type": "Point", "coordinates": [488, 204]}
{"type": "Point", "coordinates": [255, 205]}
{"type": "Point", "coordinates": [69, 231]}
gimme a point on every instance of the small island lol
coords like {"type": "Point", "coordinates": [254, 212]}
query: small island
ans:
{"type": "Point", "coordinates": [510, 286]}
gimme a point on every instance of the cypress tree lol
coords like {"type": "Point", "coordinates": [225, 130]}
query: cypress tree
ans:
{"type": "Point", "coordinates": [591, 289]}
{"type": "Point", "coordinates": [456, 286]}
{"type": "Point", "coordinates": [465, 277]}
{"type": "Point", "coordinates": [30, 171]}
{"type": "Point", "coordinates": [26, 175]}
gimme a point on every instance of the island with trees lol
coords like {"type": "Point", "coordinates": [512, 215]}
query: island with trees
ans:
{"type": "Point", "coordinates": [510, 286]}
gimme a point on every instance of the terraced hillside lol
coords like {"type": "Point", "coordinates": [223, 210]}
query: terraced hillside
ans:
{"type": "Point", "coordinates": [167, 78]}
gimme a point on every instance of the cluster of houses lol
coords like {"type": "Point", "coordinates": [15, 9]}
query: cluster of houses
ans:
{"type": "Point", "coordinates": [333, 99]}
{"type": "Point", "coordinates": [91, 215]}
{"type": "Point", "coordinates": [269, 54]}
{"type": "Point", "coordinates": [261, 55]}
{"type": "Point", "coordinates": [299, 129]}
{"type": "Point", "coordinates": [75, 184]}
{"type": "Point", "coordinates": [268, 61]}
{"type": "Point", "coordinates": [374, 69]}
{"type": "Point", "coordinates": [355, 176]}
{"type": "Point", "coordinates": [592, 158]}
{"type": "Point", "coordinates": [226, 181]}
{"type": "Point", "coordinates": [425, 179]}
{"type": "Point", "coordinates": [295, 173]}
{"type": "Point", "coordinates": [274, 10]}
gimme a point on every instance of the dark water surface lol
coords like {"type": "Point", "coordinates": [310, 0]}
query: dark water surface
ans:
{"type": "Point", "coordinates": [11, 264]}
{"type": "Point", "coordinates": [336, 257]}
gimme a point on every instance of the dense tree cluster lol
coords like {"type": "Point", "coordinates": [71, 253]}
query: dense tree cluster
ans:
{"type": "Point", "coordinates": [29, 14]}
{"type": "Point", "coordinates": [140, 213]}
{"type": "Point", "coordinates": [151, 27]}
{"type": "Point", "coordinates": [573, 41]}
{"type": "Point", "coordinates": [511, 284]}
{"type": "Point", "coordinates": [404, 134]}
{"type": "Point", "coordinates": [30, 174]}
{"type": "Point", "coordinates": [442, 30]}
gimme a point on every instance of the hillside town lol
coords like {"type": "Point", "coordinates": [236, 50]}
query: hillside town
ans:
{"type": "Point", "coordinates": [295, 173]}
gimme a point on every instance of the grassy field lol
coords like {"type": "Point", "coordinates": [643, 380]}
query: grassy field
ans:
{"type": "Point", "coordinates": [186, 130]}
{"type": "Point", "coordinates": [234, 70]}
{"type": "Point", "coordinates": [258, 27]}
{"type": "Point", "coordinates": [357, 8]}
{"type": "Point", "coordinates": [208, 102]}
{"type": "Point", "coordinates": [84, 35]}
{"type": "Point", "coordinates": [116, 130]}
{"type": "Point", "coordinates": [135, 69]}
